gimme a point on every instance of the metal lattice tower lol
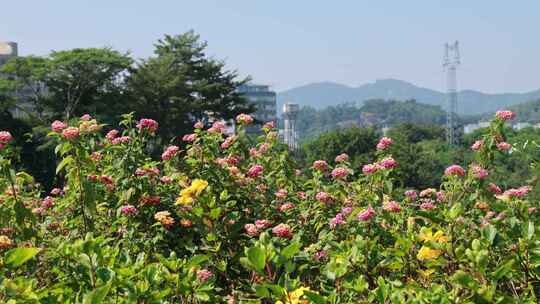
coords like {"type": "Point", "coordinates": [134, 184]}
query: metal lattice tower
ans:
{"type": "Point", "coordinates": [290, 112]}
{"type": "Point", "coordinates": [450, 63]}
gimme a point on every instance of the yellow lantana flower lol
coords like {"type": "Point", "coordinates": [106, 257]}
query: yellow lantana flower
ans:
{"type": "Point", "coordinates": [188, 195]}
{"type": "Point", "coordinates": [426, 235]}
{"type": "Point", "coordinates": [426, 273]}
{"type": "Point", "coordinates": [293, 297]}
{"type": "Point", "coordinates": [198, 186]}
{"type": "Point", "coordinates": [184, 200]}
{"type": "Point", "coordinates": [426, 253]}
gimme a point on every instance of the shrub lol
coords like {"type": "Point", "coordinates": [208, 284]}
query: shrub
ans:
{"type": "Point", "coordinates": [239, 223]}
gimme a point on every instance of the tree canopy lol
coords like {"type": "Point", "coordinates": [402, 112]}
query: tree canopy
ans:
{"type": "Point", "coordinates": [70, 82]}
{"type": "Point", "coordinates": [181, 85]}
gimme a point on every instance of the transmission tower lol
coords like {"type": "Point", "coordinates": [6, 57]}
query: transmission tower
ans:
{"type": "Point", "coordinates": [450, 63]}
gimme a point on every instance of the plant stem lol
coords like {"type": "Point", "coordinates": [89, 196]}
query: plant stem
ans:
{"type": "Point", "coordinates": [81, 189]}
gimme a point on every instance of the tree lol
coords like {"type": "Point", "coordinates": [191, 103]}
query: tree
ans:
{"type": "Point", "coordinates": [181, 85]}
{"type": "Point", "coordinates": [81, 80]}
{"type": "Point", "coordinates": [358, 143]}
{"type": "Point", "coordinates": [414, 133]}
{"type": "Point", "coordinates": [68, 83]}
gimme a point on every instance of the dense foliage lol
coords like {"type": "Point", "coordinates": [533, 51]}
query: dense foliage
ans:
{"type": "Point", "coordinates": [417, 146]}
{"type": "Point", "coordinates": [235, 221]}
{"type": "Point", "coordinates": [424, 146]}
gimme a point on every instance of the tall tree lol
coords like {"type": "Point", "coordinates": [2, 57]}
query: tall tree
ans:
{"type": "Point", "coordinates": [82, 80]}
{"type": "Point", "coordinates": [181, 84]}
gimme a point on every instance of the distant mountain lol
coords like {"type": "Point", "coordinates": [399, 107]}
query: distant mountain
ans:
{"type": "Point", "coordinates": [322, 94]}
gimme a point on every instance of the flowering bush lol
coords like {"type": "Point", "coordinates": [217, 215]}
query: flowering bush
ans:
{"type": "Point", "coordinates": [230, 220]}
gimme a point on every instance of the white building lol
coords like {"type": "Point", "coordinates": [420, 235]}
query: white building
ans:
{"type": "Point", "coordinates": [10, 50]}
{"type": "Point", "coordinates": [469, 128]}
{"type": "Point", "coordinates": [264, 101]}
{"type": "Point", "coordinates": [522, 125]}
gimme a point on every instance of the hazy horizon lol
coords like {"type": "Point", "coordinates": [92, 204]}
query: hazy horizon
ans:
{"type": "Point", "coordinates": [287, 44]}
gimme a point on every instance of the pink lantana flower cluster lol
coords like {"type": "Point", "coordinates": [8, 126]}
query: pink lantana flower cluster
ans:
{"type": "Point", "coordinates": [129, 210]}
{"type": "Point", "coordinates": [391, 206]}
{"type": "Point", "coordinates": [340, 173]}
{"type": "Point", "coordinates": [454, 170]}
{"type": "Point", "coordinates": [477, 145]}
{"type": "Point", "coordinates": [323, 197]}
{"type": "Point", "coordinates": [342, 158]}
{"type": "Point", "coordinates": [148, 124]}
{"type": "Point", "coordinates": [385, 163]}
{"type": "Point", "coordinates": [283, 231]}
{"type": "Point", "coordinates": [70, 133]}
{"type": "Point", "coordinates": [366, 214]}
{"type": "Point", "coordinates": [244, 119]}
{"type": "Point", "coordinates": [255, 171]}
{"type": "Point", "coordinates": [505, 115]}
{"type": "Point", "coordinates": [218, 127]}
{"type": "Point", "coordinates": [320, 165]}
{"type": "Point", "coordinates": [479, 172]}
{"type": "Point", "coordinates": [170, 152]}
{"type": "Point", "coordinates": [384, 143]}
{"type": "Point", "coordinates": [57, 126]}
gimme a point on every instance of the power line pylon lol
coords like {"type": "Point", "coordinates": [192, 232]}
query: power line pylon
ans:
{"type": "Point", "coordinates": [451, 61]}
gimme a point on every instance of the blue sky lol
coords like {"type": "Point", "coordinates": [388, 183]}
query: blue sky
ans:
{"type": "Point", "coordinates": [286, 43]}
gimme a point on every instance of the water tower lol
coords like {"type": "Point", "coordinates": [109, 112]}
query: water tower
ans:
{"type": "Point", "coordinates": [290, 114]}
{"type": "Point", "coordinates": [8, 50]}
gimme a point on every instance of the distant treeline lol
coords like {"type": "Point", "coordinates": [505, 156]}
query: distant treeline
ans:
{"type": "Point", "coordinates": [375, 112]}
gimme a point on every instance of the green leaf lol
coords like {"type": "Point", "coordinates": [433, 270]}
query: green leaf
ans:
{"type": "Point", "coordinates": [256, 257]}
{"type": "Point", "coordinates": [455, 211]}
{"type": "Point", "coordinates": [197, 260]}
{"type": "Point", "coordinates": [214, 213]}
{"type": "Point", "coordinates": [389, 186]}
{"type": "Point", "coordinates": [198, 211]}
{"type": "Point", "coordinates": [21, 212]}
{"type": "Point", "coordinates": [464, 279]}
{"type": "Point", "coordinates": [27, 178]}
{"type": "Point", "coordinates": [261, 291]}
{"type": "Point", "coordinates": [289, 251]}
{"type": "Point", "coordinates": [90, 196]}
{"type": "Point", "coordinates": [104, 274]}
{"type": "Point", "coordinates": [18, 256]}
{"type": "Point", "coordinates": [314, 297]}
{"type": "Point", "coordinates": [530, 231]}
{"type": "Point", "coordinates": [276, 289]}
{"type": "Point", "coordinates": [489, 233]}
{"type": "Point", "coordinates": [97, 295]}
{"type": "Point", "coordinates": [224, 196]}
{"type": "Point", "coordinates": [203, 296]}
{"type": "Point", "coordinates": [503, 270]}
{"type": "Point", "coordinates": [127, 195]}
{"type": "Point", "coordinates": [63, 163]}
